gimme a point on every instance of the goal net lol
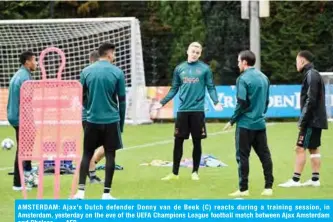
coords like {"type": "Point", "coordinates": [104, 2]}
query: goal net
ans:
{"type": "Point", "coordinates": [328, 80]}
{"type": "Point", "coordinates": [77, 38]}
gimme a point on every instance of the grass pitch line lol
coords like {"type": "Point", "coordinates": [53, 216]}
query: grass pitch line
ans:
{"type": "Point", "coordinates": [172, 140]}
{"type": "Point", "coordinates": [155, 143]}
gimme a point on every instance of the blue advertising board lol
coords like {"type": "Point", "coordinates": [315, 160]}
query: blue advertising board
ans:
{"type": "Point", "coordinates": [284, 102]}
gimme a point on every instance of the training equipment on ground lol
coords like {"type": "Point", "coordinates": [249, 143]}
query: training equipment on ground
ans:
{"type": "Point", "coordinates": [50, 123]}
{"type": "Point", "coordinates": [77, 38]}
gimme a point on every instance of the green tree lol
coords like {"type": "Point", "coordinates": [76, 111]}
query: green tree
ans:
{"type": "Point", "coordinates": [291, 27]}
{"type": "Point", "coordinates": [226, 35]}
{"type": "Point", "coordinates": [186, 25]}
{"type": "Point", "coordinates": [324, 38]}
{"type": "Point", "coordinates": [156, 46]}
{"type": "Point", "coordinates": [168, 27]}
{"type": "Point", "coordinates": [24, 10]}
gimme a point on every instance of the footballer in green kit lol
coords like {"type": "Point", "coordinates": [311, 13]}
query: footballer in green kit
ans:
{"type": "Point", "coordinates": [103, 89]}
{"type": "Point", "coordinates": [252, 102]}
{"type": "Point", "coordinates": [28, 65]}
{"type": "Point", "coordinates": [191, 79]}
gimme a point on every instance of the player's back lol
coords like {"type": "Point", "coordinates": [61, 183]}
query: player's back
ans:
{"type": "Point", "coordinates": [100, 80]}
{"type": "Point", "coordinates": [257, 85]}
{"type": "Point", "coordinates": [15, 84]}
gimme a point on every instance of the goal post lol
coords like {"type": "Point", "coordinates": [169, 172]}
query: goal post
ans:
{"type": "Point", "coordinates": [77, 38]}
{"type": "Point", "coordinates": [328, 80]}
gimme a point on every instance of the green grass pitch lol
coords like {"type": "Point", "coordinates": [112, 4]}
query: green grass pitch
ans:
{"type": "Point", "coordinates": [147, 142]}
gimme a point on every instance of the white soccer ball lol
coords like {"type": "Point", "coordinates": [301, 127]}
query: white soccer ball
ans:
{"type": "Point", "coordinates": [7, 144]}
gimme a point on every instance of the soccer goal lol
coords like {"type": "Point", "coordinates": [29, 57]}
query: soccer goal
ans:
{"type": "Point", "coordinates": [77, 38]}
{"type": "Point", "coordinates": [328, 79]}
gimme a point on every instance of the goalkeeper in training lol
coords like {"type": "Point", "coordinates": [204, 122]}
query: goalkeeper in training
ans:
{"type": "Point", "coordinates": [103, 83]}
{"type": "Point", "coordinates": [191, 78]}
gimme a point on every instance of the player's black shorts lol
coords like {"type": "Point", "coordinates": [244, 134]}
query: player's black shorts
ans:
{"type": "Point", "coordinates": [309, 138]}
{"type": "Point", "coordinates": [106, 135]}
{"type": "Point", "coordinates": [190, 122]}
{"type": "Point", "coordinates": [84, 124]}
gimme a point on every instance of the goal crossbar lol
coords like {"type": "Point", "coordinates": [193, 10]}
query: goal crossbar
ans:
{"type": "Point", "coordinates": [77, 37]}
{"type": "Point", "coordinates": [74, 20]}
{"type": "Point", "coordinates": [327, 74]}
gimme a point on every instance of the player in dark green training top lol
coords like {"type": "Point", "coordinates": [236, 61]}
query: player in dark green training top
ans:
{"type": "Point", "coordinates": [103, 88]}
{"type": "Point", "coordinates": [252, 103]}
{"type": "Point", "coordinates": [28, 65]}
{"type": "Point", "coordinates": [99, 152]}
{"type": "Point", "coordinates": [191, 79]}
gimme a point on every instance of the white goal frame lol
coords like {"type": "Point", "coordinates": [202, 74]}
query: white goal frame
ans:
{"type": "Point", "coordinates": [137, 105]}
{"type": "Point", "coordinates": [328, 79]}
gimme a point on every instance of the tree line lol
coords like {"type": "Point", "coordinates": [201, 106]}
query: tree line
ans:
{"type": "Point", "coordinates": [168, 27]}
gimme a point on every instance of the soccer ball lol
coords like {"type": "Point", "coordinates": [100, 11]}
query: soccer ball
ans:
{"type": "Point", "coordinates": [31, 179]}
{"type": "Point", "coordinates": [7, 144]}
